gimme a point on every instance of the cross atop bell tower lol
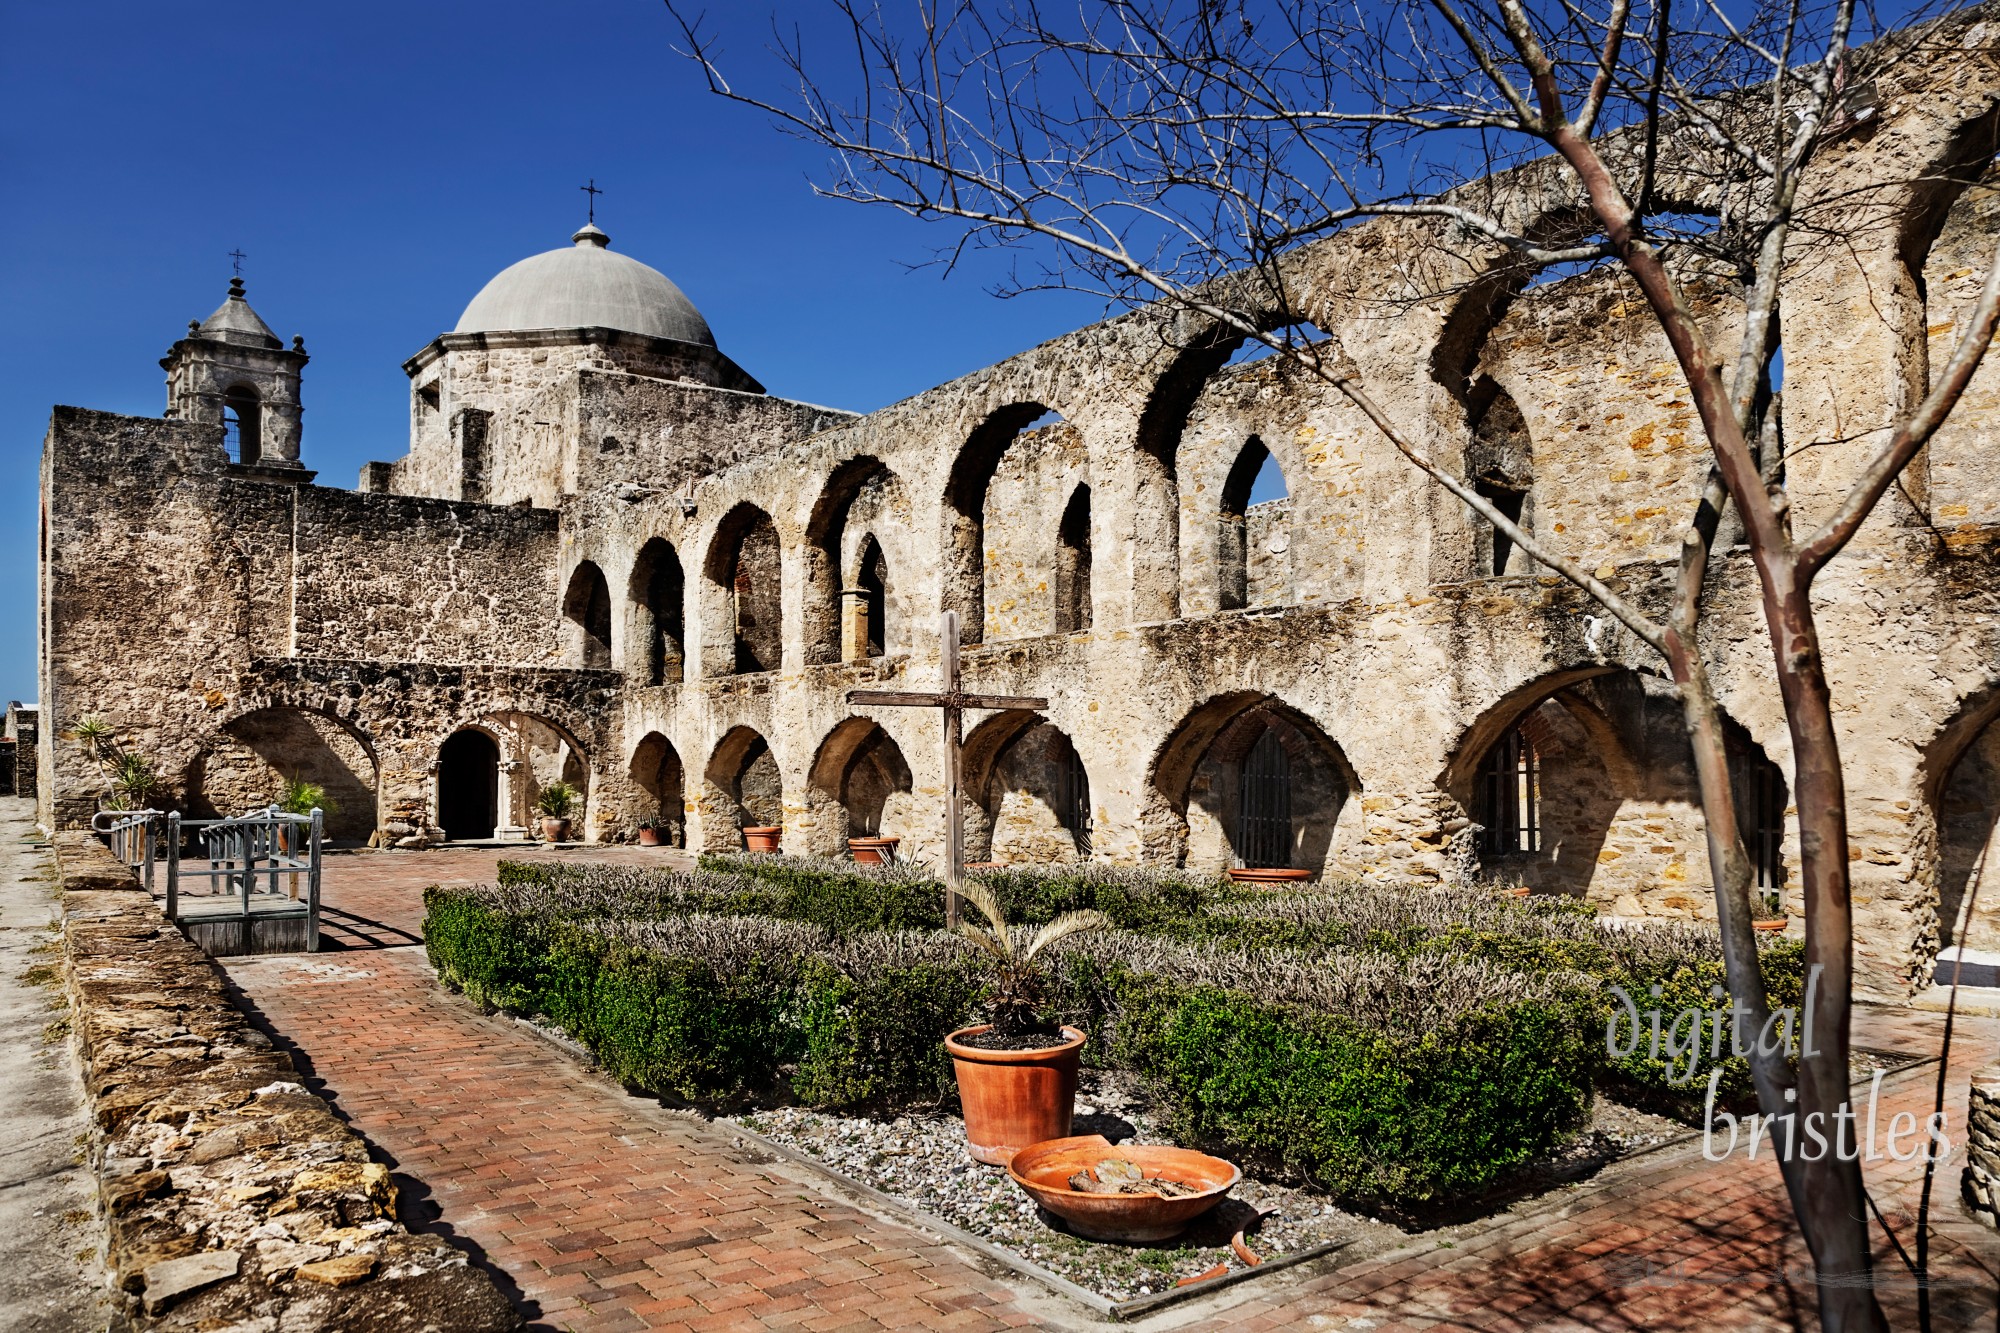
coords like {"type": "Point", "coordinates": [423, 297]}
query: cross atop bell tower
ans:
{"type": "Point", "coordinates": [231, 370]}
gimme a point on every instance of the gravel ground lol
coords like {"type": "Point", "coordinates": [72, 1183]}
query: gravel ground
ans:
{"type": "Point", "coordinates": [921, 1160]}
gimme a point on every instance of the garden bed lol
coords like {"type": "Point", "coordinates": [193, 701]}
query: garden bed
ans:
{"type": "Point", "coordinates": [919, 1160]}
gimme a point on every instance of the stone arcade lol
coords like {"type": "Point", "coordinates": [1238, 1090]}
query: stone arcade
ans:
{"type": "Point", "coordinates": [609, 556]}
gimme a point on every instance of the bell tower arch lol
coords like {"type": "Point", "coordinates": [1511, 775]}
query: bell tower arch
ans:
{"type": "Point", "coordinates": [232, 371]}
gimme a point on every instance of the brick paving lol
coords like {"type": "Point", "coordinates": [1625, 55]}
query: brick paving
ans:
{"type": "Point", "coordinates": [604, 1211]}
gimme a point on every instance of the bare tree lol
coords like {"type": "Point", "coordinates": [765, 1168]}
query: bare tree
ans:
{"type": "Point", "coordinates": [1185, 156]}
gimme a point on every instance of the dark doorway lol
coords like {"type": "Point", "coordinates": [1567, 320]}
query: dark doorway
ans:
{"type": "Point", "coordinates": [1264, 805]}
{"type": "Point", "coordinates": [469, 785]}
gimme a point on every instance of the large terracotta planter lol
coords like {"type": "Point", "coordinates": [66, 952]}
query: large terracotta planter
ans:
{"type": "Point", "coordinates": [1044, 1171]}
{"type": "Point", "coordinates": [1268, 875]}
{"type": "Point", "coordinates": [763, 837]}
{"type": "Point", "coordinates": [1774, 924]}
{"type": "Point", "coordinates": [553, 829]}
{"type": "Point", "coordinates": [649, 837]}
{"type": "Point", "coordinates": [872, 851]}
{"type": "Point", "coordinates": [1014, 1098]}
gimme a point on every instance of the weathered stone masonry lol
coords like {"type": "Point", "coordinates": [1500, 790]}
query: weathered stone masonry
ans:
{"type": "Point", "coordinates": [612, 554]}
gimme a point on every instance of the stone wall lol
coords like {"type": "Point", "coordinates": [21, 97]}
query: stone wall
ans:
{"type": "Point", "coordinates": [233, 1196]}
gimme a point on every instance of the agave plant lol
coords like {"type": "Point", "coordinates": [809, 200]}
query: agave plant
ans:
{"type": "Point", "coordinates": [1011, 952]}
{"type": "Point", "coordinates": [93, 731]}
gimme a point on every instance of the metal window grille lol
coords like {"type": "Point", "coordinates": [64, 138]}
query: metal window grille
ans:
{"type": "Point", "coordinates": [1766, 832]}
{"type": "Point", "coordinates": [1510, 795]}
{"type": "Point", "coordinates": [1076, 802]}
{"type": "Point", "coordinates": [1264, 804]}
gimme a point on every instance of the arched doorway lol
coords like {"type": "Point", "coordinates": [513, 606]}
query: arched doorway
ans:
{"type": "Point", "coordinates": [468, 785]}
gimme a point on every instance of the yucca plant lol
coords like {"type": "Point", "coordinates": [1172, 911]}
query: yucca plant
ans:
{"type": "Point", "coordinates": [93, 731]}
{"type": "Point", "coordinates": [557, 800]}
{"type": "Point", "coordinates": [1019, 984]}
{"type": "Point", "coordinates": [301, 797]}
{"type": "Point", "coordinates": [133, 778]}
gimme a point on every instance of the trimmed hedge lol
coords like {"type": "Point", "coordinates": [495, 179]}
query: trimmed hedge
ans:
{"type": "Point", "coordinates": [1434, 1079]}
{"type": "Point", "coordinates": [1552, 936]}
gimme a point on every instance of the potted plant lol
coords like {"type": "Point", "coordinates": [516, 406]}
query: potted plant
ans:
{"type": "Point", "coordinates": [1016, 1074]}
{"type": "Point", "coordinates": [762, 837]}
{"type": "Point", "coordinates": [872, 851]}
{"type": "Point", "coordinates": [1768, 912]}
{"type": "Point", "coordinates": [649, 833]}
{"type": "Point", "coordinates": [300, 797]}
{"type": "Point", "coordinates": [556, 802]}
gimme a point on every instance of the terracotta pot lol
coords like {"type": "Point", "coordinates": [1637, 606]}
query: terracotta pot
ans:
{"type": "Point", "coordinates": [1518, 891]}
{"type": "Point", "coordinates": [1774, 924]}
{"type": "Point", "coordinates": [553, 829]}
{"type": "Point", "coordinates": [984, 865]}
{"type": "Point", "coordinates": [873, 851]}
{"type": "Point", "coordinates": [649, 837]}
{"type": "Point", "coordinates": [1044, 1169]}
{"type": "Point", "coordinates": [1014, 1098]}
{"type": "Point", "coordinates": [1268, 875]}
{"type": "Point", "coordinates": [762, 838]}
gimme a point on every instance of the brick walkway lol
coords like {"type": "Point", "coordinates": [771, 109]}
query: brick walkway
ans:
{"type": "Point", "coordinates": [603, 1211]}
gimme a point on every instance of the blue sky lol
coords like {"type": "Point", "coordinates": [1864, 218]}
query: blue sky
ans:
{"type": "Point", "coordinates": [378, 163]}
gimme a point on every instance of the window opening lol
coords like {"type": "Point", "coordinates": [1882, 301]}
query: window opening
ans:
{"type": "Point", "coordinates": [1510, 797]}
{"type": "Point", "coordinates": [1076, 801]}
{"type": "Point", "coordinates": [1264, 805]}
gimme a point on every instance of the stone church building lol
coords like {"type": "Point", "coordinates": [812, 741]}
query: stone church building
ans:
{"type": "Point", "coordinates": [610, 556]}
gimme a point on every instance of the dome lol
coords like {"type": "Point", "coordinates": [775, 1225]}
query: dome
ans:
{"type": "Point", "coordinates": [584, 287]}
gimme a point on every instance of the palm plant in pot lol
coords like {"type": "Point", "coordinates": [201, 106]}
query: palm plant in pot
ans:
{"type": "Point", "coordinates": [556, 802]}
{"type": "Point", "coordinates": [1017, 1073]}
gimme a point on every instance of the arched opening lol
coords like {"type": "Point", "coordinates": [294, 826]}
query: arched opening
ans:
{"type": "Point", "coordinates": [868, 636]}
{"type": "Point", "coordinates": [249, 763]}
{"type": "Point", "coordinates": [1253, 556]}
{"type": "Point", "coordinates": [743, 625]}
{"type": "Point", "coordinates": [1499, 462]}
{"type": "Point", "coordinates": [851, 607]}
{"type": "Point", "coordinates": [1029, 793]}
{"type": "Point", "coordinates": [862, 787]}
{"type": "Point", "coordinates": [656, 594]}
{"type": "Point", "coordinates": [968, 513]}
{"type": "Point", "coordinates": [743, 789]}
{"type": "Point", "coordinates": [468, 786]}
{"type": "Point", "coordinates": [1584, 784]}
{"type": "Point", "coordinates": [587, 609]}
{"type": "Point", "coordinates": [656, 769]}
{"type": "Point", "coordinates": [1967, 808]}
{"type": "Point", "coordinates": [1247, 780]}
{"type": "Point", "coordinates": [1071, 583]}
{"type": "Point", "coordinates": [1947, 245]}
{"type": "Point", "coordinates": [243, 424]}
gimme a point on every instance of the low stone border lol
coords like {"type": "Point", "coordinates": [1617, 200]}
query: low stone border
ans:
{"type": "Point", "coordinates": [234, 1199]}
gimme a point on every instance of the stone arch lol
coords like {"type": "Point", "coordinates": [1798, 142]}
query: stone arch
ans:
{"type": "Point", "coordinates": [965, 516]}
{"type": "Point", "coordinates": [743, 601]}
{"type": "Point", "coordinates": [1961, 789]}
{"type": "Point", "coordinates": [1944, 245]}
{"type": "Point", "coordinates": [848, 605]}
{"type": "Point", "coordinates": [586, 610]}
{"type": "Point", "coordinates": [656, 594]}
{"type": "Point", "coordinates": [1071, 584]}
{"type": "Point", "coordinates": [1198, 816]}
{"type": "Point", "coordinates": [861, 786]}
{"type": "Point", "coordinates": [1028, 793]}
{"type": "Point", "coordinates": [1603, 782]}
{"type": "Point", "coordinates": [741, 788]}
{"type": "Point", "coordinates": [535, 750]}
{"type": "Point", "coordinates": [1253, 541]}
{"type": "Point", "coordinates": [657, 771]}
{"type": "Point", "coordinates": [247, 760]}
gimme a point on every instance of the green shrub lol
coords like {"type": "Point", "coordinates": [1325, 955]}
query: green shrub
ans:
{"type": "Point", "coordinates": [873, 1014]}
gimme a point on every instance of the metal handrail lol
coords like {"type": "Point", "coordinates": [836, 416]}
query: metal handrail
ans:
{"type": "Point", "coordinates": [242, 849]}
{"type": "Point", "coordinates": [130, 835]}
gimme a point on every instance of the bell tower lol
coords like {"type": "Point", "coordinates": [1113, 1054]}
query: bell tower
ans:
{"type": "Point", "coordinates": [232, 371]}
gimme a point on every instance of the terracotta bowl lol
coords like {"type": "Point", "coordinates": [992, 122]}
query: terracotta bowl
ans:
{"type": "Point", "coordinates": [1044, 1169]}
{"type": "Point", "coordinates": [1268, 875]}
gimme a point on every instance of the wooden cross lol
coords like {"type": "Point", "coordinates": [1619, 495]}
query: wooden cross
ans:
{"type": "Point", "coordinates": [954, 701]}
{"type": "Point", "coordinates": [591, 190]}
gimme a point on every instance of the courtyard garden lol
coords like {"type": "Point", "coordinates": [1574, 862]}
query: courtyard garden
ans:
{"type": "Point", "coordinates": [1373, 1057]}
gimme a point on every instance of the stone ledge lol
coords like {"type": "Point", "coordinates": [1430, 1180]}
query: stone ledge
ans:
{"type": "Point", "coordinates": [233, 1197]}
